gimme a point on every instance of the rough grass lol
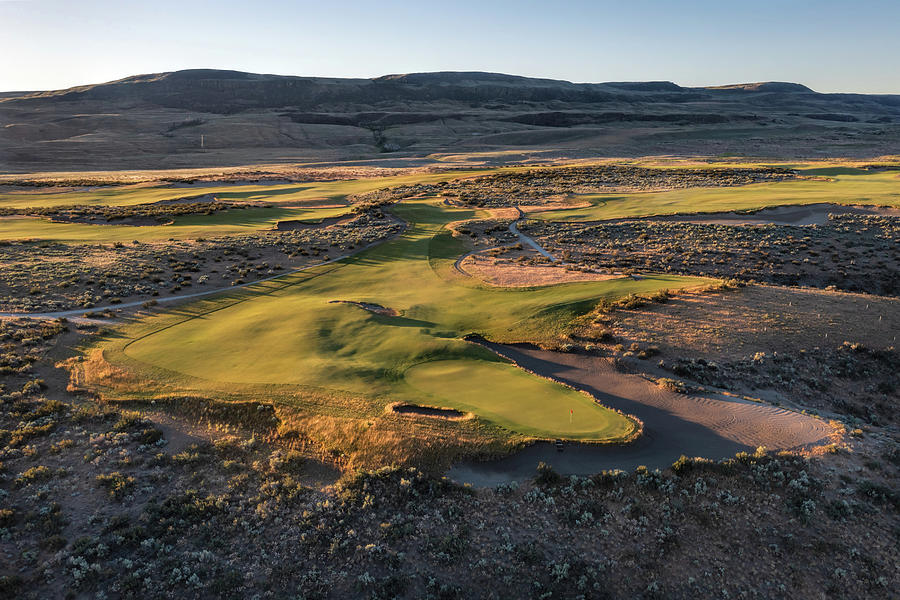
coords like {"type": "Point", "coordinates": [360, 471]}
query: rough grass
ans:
{"type": "Point", "coordinates": [841, 186]}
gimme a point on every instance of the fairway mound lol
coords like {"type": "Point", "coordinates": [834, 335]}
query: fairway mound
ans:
{"type": "Point", "coordinates": [428, 411]}
{"type": "Point", "coordinates": [369, 306]}
{"type": "Point", "coordinates": [796, 215]}
{"type": "Point", "coordinates": [506, 273]}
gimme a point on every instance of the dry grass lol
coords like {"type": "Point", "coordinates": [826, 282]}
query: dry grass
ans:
{"type": "Point", "coordinates": [354, 436]}
{"type": "Point", "coordinates": [507, 273]}
{"type": "Point", "coordinates": [761, 318]}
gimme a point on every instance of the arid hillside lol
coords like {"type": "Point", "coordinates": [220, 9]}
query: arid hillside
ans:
{"type": "Point", "coordinates": [216, 118]}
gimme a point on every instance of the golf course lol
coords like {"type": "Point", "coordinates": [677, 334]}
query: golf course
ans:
{"type": "Point", "coordinates": [301, 340]}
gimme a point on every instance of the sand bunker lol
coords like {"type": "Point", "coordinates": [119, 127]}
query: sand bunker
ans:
{"type": "Point", "coordinates": [427, 411]}
{"type": "Point", "coordinates": [369, 306]}
{"type": "Point", "coordinates": [809, 214]}
{"type": "Point", "coordinates": [504, 273]}
{"type": "Point", "coordinates": [712, 426]}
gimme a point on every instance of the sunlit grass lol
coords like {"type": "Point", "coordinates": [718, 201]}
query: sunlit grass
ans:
{"type": "Point", "coordinates": [839, 185]}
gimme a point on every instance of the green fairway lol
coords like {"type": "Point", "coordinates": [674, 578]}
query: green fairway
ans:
{"type": "Point", "coordinates": [220, 223]}
{"type": "Point", "coordinates": [278, 194]}
{"type": "Point", "coordinates": [843, 186]}
{"type": "Point", "coordinates": [284, 197]}
{"type": "Point", "coordinates": [287, 332]}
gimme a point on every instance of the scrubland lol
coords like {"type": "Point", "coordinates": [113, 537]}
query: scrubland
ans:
{"type": "Point", "coordinates": [252, 443]}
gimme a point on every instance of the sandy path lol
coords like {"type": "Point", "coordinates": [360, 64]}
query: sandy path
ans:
{"type": "Point", "coordinates": [711, 426]}
{"type": "Point", "coordinates": [524, 238]}
{"type": "Point", "coordinates": [513, 228]}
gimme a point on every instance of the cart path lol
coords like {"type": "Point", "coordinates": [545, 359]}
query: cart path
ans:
{"type": "Point", "coordinates": [514, 229]}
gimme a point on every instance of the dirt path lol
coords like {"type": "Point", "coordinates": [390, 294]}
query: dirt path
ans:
{"type": "Point", "coordinates": [524, 238]}
{"type": "Point", "coordinates": [513, 228]}
{"type": "Point", "coordinates": [712, 426]}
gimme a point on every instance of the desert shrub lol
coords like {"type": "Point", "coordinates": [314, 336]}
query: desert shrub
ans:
{"type": "Point", "coordinates": [838, 509]}
{"type": "Point", "coordinates": [150, 435]}
{"type": "Point", "coordinates": [128, 421]}
{"type": "Point", "coordinates": [662, 296]}
{"type": "Point", "coordinates": [116, 484]}
{"type": "Point", "coordinates": [34, 475]}
{"type": "Point", "coordinates": [546, 476]}
{"type": "Point", "coordinates": [684, 465]}
{"type": "Point", "coordinates": [880, 494]}
{"type": "Point", "coordinates": [53, 543]}
{"type": "Point", "coordinates": [648, 352]}
{"type": "Point", "coordinates": [35, 386]}
{"type": "Point", "coordinates": [10, 586]}
{"type": "Point", "coordinates": [394, 484]}
{"type": "Point", "coordinates": [288, 462]}
{"type": "Point", "coordinates": [189, 506]}
{"type": "Point", "coordinates": [187, 457]}
{"type": "Point", "coordinates": [7, 516]}
{"type": "Point", "coordinates": [630, 302]}
{"type": "Point", "coordinates": [61, 445]}
{"type": "Point", "coordinates": [673, 385]}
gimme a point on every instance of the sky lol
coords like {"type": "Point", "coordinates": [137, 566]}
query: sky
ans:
{"type": "Point", "coordinates": [828, 45]}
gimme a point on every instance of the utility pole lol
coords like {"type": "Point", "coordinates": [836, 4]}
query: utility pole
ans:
{"type": "Point", "coordinates": [201, 141]}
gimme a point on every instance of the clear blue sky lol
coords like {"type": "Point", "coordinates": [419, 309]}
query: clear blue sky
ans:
{"type": "Point", "coordinates": [829, 45]}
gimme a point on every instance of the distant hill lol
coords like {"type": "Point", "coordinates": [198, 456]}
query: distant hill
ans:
{"type": "Point", "coordinates": [765, 86]}
{"type": "Point", "coordinates": [156, 120]}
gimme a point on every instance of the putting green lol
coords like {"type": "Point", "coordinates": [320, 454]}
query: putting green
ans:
{"type": "Point", "coordinates": [515, 399]}
{"type": "Point", "coordinates": [288, 332]}
{"type": "Point", "coordinates": [842, 186]}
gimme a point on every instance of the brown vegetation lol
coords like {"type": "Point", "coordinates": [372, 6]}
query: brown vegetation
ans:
{"type": "Point", "coordinates": [96, 500]}
{"type": "Point", "coordinates": [851, 252]}
{"type": "Point", "coordinates": [47, 276]}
